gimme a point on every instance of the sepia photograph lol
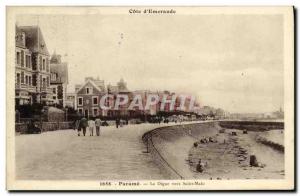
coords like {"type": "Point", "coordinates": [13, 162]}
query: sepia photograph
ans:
{"type": "Point", "coordinates": [150, 98]}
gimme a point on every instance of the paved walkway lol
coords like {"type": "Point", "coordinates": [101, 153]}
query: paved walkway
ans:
{"type": "Point", "coordinates": [62, 155]}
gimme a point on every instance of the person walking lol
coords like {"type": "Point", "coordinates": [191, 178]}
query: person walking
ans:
{"type": "Point", "coordinates": [117, 122]}
{"type": "Point", "coordinates": [83, 125]}
{"type": "Point", "coordinates": [91, 124]}
{"type": "Point", "coordinates": [98, 124]}
{"type": "Point", "coordinates": [77, 126]}
{"type": "Point", "coordinates": [121, 122]}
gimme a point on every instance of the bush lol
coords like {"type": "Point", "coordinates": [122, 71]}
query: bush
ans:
{"type": "Point", "coordinates": [29, 111]}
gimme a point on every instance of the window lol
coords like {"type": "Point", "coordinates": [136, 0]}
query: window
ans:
{"type": "Point", "coordinates": [95, 100]}
{"type": "Point", "coordinates": [80, 110]}
{"type": "Point", "coordinates": [95, 112]}
{"type": "Point", "coordinates": [89, 90]}
{"type": "Point", "coordinates": [34, 62]}
{"type": "Point", "coordinates": [48, 82]}
{"type": "Point", "coordinates": [80, 101]}
{"type": "Point", "coordinates": [53, 76]}
{"type": "Point", "coordinates": [34, 80]}
{"type": "Point", "coordinates": [54, 97]}
{"type": "Point", "coordinates": [18, 58]}
{"type": "Point", "coordinates": [22, 58]}
{"type": "Point", "coordinates": [41, 81]}
{"type": "Point", "coordinates": [54, 90]}
{"type": "Point", "coordinates": [40, 62]}
{"type": "Point", "coordinates": [44, 64]}
{"type": "Point", "coordinates": [29, 80]}
{"type": "Point", "coordinates": [47, 64]}
{"type": "Point", "coordinates": [28, 62]}
{"type": "Point", "coordinates": [22, 77]}
{"type": "Point", "coordinates": [18, 78]}
{"type": "Point", "coordinates": [44, 83]}
{"type": "Point", "coordinates": [26, 79]}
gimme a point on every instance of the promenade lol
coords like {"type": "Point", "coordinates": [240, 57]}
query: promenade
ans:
{"type": "Point", "coordinates": [62, 155]}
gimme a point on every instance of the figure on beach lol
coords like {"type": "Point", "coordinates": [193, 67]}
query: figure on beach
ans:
{"type": "Point", "coordinates": [200, 166]}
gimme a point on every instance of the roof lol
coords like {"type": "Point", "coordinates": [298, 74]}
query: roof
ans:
{"type": "Point", "coordinates": [34, 39]}
{"type": "Point", "coordinates": [112, 89]}
{"type": "Point", "coordinates": [91, 82]}
{"type": "Point", "coordinates": [99, 83]}
{"type": "Point", "coordinates": [19, 38]}
{"type": "Point", "coordinates": [122, 86]}
{"type": "Point", "coordinates": [55, 58]}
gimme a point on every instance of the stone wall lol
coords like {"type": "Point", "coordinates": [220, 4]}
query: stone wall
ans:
{"type": "Point", "coordinates": [45, 126]}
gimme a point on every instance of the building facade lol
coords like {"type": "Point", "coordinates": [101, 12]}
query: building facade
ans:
{"type": "Point", "coordinates": [32, 70]}
{"type": "Point", "coordinates": [88, 97]}
{"type": "Point", "coordinates": [89, 94]}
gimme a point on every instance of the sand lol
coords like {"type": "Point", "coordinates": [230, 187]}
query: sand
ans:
{"type": "Point", "coordinates": [224, 160]}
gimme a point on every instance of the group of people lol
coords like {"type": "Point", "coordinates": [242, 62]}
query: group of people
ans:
{"type": "Point", "coordinates": [83, 124]}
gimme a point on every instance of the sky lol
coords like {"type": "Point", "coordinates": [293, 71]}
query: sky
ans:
{"type": "Point", "coordinates": [234, 62]}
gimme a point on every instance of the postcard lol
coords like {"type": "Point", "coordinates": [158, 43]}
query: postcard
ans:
{"type": "Point", "coordinates": [150, 98]}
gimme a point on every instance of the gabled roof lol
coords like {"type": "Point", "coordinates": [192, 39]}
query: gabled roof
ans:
{"type": "Point", "coordinates": [92, 83]}
{"type": "Point", "coordinates": [34, 39]}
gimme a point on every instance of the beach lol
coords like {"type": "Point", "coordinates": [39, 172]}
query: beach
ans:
{"type": "Point", "coordinates": [228, 157]}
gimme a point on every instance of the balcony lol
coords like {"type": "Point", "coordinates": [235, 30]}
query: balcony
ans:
{"type": "Point", "coordinates": [25, 87]}
{"type": "Point", "coordinates": [46, 90]}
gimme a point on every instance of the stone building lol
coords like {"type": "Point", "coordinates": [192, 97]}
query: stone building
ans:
{"type": "Point", "coordinates": [88, 97]}
{"type": "Point", "coordinates": [58, 80]}
{"type": "Point", "coordinates": [32, 73]}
